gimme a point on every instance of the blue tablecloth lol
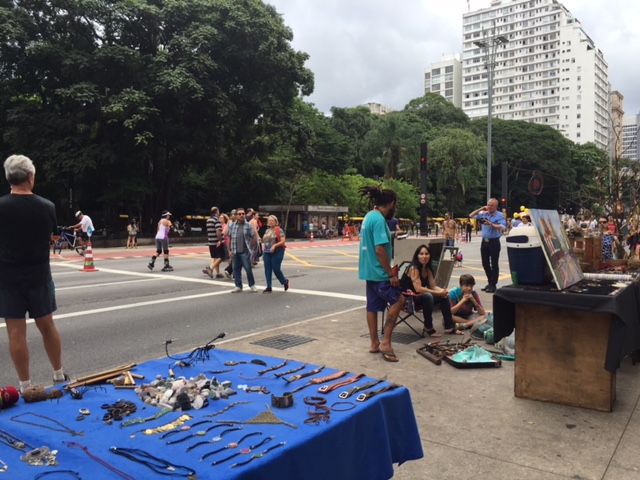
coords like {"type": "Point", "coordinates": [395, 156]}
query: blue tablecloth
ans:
{"type": "Point", "coordinates": [361, 443]}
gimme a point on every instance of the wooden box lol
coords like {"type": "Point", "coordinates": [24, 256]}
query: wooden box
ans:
{"type": "Point", "coordinates": [589, 252]}
{"type": "Point", "coordinates": [560, 356]}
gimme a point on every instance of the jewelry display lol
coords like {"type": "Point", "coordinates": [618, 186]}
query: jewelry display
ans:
{"type": "Point", "coordinates": [229, 445]}
{"type": "Point", "coordinates": [185, 428]}
{"type": "Point", "coordinates": [202, 433]}
{"type": "Point", "coordinates": [243, 451]}
{"type": "Point", "coordinates": [63, 428]}
{"type": "Point", "coordinates": [367, 395]}
{"type": "Point", "coordinates": [226, 408]}
{"type": "Point", "coordinates": [350, 406]}
{"type": "Point", "coordinates": [168, 426]}
{"type": "Point", "coordinates": [342, 383]}
{"type": "Point", "coordinates": [267, 417]}
{"type": "Point", "coordinates": [71, 473]}
{"type": "Point", "coordinates": [293, 370]}
{"type": "Point", "coordinates": [158, 465]}
{"type": "Point", "coordinates": [135, 421]}
{"type": "Point", "coordinates": [105, 464]}
{"type": "Point", "coordinates": [319, 380]}
{"type": "Point", "coordinates": [40, 456]}
{"type": "Point", "coordinates": [271, 369]}
{"type": "Point", "coordinates": [258, 455]}
{"type": "Point", "coordinates": [283, 401]}
{"type": "Point", "coordinates": [320, 413]}
{"type": "Point", "coordinates": [347, 393]}
{"type": "Point", "coordinates": [118, 410]}
{"type": "Point", "coordinates": [13, 441]}
{"type": "Point", "coordinates": [293, 378]}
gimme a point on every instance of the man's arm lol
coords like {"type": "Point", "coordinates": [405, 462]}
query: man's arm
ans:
{"type": "Point", "coordinates": [477, 211]}
{"type": "Point", "coordinates": [381, 253]}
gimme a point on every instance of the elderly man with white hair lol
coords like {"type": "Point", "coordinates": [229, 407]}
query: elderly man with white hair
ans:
{"type": "Point", "coordinates": [26, 285]}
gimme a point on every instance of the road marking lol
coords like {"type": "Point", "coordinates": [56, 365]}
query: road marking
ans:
{"type": "Point", "coordinates": [342, 296]}
{"type": "Point", "coordinates": [103, 284]}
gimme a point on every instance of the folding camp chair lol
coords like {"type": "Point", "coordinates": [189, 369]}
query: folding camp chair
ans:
{"type": "Point", "coordinates": [405, 315]}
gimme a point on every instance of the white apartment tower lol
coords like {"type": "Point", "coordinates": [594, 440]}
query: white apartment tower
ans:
{"type": "Point", "coordinates": [445, 78]}
{"type": "Point", "coordinates": [630, 137]}
{"type": "Point", "coordinates": [546, 69]}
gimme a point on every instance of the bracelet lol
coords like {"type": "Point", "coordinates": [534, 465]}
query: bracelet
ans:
{"type": "Point", "coordinates": [350, 406]}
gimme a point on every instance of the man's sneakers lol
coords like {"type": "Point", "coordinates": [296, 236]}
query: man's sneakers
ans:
{"type": "Point", "coordinates": [287, 284]}
{"type": "Point", "coordinates": [253, 289]}
{"type": "Point", "coordinates": [227, 274]}
{"type": "Point", "coordinates": [267, 290]}
{"type": "Point", "coordinates": [236, 290]}
{"type": "Point", "coordinates": [208, 271]}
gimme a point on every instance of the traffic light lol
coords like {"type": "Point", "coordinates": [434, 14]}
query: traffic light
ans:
{"type": "Point", "coordinates": [423, 156]}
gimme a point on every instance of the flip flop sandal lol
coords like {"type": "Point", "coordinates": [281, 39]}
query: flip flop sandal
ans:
{"type": "Point", "coordinates": [389, 356]}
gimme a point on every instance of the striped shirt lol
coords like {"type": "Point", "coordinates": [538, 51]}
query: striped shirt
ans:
{"type": "Point", "coordinates": [213, 225]}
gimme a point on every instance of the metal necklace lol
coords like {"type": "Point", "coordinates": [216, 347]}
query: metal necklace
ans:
{"type": "Point", "coordinates": [63, 428]}
{"type": "Point", "coordinates": [158, 465]}
{"type": "Point", "coordinates": [13, 441]}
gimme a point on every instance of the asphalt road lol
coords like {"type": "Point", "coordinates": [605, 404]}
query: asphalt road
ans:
{"type": "Point", "coordinates": [124, 312]}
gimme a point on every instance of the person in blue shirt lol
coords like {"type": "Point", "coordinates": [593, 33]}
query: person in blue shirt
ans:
{"type": "Point", "coordinates": [374, 267]}
{"type": "Point", "coordinates": [493, 223]}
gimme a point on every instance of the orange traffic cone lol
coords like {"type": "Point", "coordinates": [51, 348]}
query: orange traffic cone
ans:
{"type": "Point", "coordinates": [88, 259]}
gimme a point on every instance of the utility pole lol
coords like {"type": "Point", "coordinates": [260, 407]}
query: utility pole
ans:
{"type": "Point", "coordinates": [490, 44]}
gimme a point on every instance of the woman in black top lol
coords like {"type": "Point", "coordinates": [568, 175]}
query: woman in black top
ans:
{"type": "Point", "coordinates": [420, 280]}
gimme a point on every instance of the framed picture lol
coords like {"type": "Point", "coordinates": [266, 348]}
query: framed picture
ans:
{"type": "Point", "coordinates": [561, 258]}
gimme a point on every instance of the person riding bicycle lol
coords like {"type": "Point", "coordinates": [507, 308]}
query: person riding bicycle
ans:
{"type": "Point", "coordinates": [84, 225]}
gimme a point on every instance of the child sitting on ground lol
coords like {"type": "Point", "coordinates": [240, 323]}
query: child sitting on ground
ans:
{"type": "Point", "coordinates": [465, 303]}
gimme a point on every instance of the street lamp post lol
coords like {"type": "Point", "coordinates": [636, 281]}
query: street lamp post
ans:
{"type": "Point", "coordinates": [490, 45]}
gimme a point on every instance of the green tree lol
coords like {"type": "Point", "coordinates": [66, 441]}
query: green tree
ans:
{"type": "Point", "coordinates": [125, 99]}
{"type": "Point", "coordinates": [459, 156]}
{"type": "Point", "coordinates": [438, 111]}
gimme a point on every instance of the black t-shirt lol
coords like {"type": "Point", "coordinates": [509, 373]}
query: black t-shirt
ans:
{"type": "Point", "coordinates": [26, 225]}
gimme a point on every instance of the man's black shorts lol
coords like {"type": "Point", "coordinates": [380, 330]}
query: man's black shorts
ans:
{"type": "Point", "coordinates": [38, 301]}
{"type": "Point", "coordinates": [216, 252]}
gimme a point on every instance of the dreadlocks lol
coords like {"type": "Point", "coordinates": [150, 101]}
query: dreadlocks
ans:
{"type": "Point", "coordinates": [377, 196]}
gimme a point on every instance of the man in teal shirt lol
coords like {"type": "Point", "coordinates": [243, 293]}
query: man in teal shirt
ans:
{"type": "Point", "coordinates": [375, 268]}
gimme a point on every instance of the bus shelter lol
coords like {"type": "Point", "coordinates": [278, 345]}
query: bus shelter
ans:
{"type": "Point", "coordinates": [303, 219]}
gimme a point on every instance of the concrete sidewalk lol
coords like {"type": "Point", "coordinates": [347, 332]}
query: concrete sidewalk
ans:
{"type": "Point", "coordinates": [471, 424]}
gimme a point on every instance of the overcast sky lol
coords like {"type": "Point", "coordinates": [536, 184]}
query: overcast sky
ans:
{"type": "Point", "coordinates": [377, 50]}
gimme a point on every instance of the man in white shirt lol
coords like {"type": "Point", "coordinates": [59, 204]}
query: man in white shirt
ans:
{"type": "Point", "coordinates": [85, 225]}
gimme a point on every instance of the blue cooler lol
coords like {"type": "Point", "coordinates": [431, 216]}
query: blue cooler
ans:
{"type": "Point", "coordinates": [526, 258]}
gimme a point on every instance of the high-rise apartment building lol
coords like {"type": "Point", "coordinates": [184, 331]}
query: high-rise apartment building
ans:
{"type": "Point", "coordinates": [445, 78]}
{"type": "Point", "coordinates": [546, 69]}
{"type": "Point", "coordinates": [631, 137]}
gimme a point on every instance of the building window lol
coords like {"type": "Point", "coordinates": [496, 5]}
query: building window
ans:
{"type": "Point", "coordinates": [448, 69]}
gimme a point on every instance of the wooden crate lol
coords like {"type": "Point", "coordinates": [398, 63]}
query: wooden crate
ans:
{"type": "Point", "coordinates": [589, 252]}
{"type": "Point", "coordinates": [560, 356]}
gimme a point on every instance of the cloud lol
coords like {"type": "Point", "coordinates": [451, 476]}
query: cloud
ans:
{"type": "Point", "coordinates": [377, 51]}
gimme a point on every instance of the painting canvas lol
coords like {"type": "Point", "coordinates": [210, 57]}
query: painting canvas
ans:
{"type": "Point", "coordinates": [561, 258]}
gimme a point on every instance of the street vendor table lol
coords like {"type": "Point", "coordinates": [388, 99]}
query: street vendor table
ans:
{"type": "Point", "coordinates": [360, 440]}
{"type": "Point", "coordinates": [569, 343]}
